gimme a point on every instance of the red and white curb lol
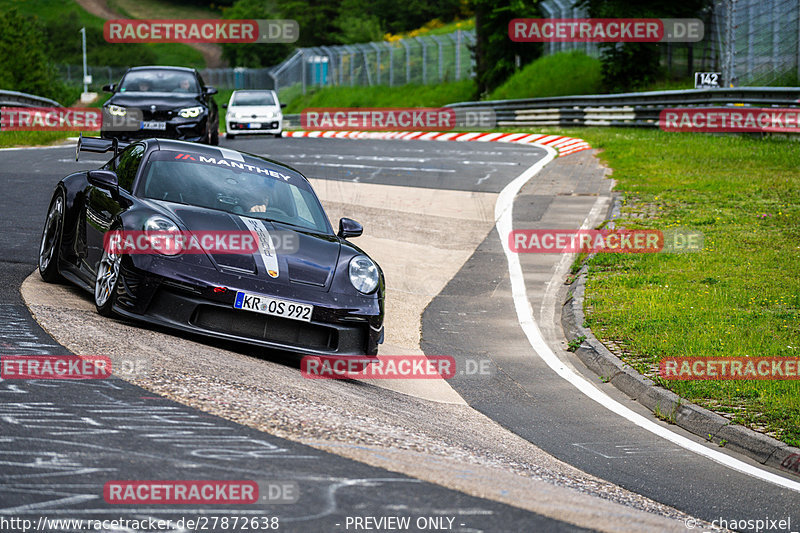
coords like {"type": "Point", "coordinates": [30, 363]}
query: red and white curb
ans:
{"type": "Point", "coordinates": [564, 145]}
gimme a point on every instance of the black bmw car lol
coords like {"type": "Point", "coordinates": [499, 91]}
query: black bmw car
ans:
{"type": "Point", "coordinates": [319, 295]}
{"type": "Point", "coordinates": [165, 102]}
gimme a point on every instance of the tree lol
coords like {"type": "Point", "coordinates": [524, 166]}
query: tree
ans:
{"type": "Point", "coordinates": [255, 55]}
{"type": "Point", "coordinates": [632, 65]}
{"type": "Point", "coordinates": [496, 55]}
{"type": "Point", "coordinates": [23, 60]}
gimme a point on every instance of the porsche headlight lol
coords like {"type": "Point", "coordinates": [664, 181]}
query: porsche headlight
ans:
{"type": "Point", "coordinates": [163, 235]}
{"type": "Point", "coordinates": [363, 274]}
{"type": "Point", "coordinates": [117, 111]}
{"type": "Point", "coordinates": [190, 112]}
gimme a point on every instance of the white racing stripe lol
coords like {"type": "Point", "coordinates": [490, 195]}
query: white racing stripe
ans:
{"type": "Point", "coordinates": [265, 246]}
{"type": "Point", "coordinates": [504, 221]}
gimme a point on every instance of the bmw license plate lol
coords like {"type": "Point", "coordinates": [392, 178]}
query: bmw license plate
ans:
{"type": "Point", "coordinates": [254, 125]}
{"type": "Point", "coordinates": [272, 306]}
{"type": "Point", "coordinates": [154, 125]}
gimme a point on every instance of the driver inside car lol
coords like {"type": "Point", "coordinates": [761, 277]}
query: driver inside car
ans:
{"type": "Point", "coordinates": [260, 206]}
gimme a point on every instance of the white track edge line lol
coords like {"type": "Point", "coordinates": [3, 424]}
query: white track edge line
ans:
{"type": "Point", "coordinates": [504, 223]}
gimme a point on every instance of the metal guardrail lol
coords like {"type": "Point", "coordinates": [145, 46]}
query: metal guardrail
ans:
{"type": "Point", "coordinates": [627, 109]}
{"type": "Point", "coordinates": [17, 99]}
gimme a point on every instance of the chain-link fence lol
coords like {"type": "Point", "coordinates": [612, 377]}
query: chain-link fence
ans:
{"type": "Point", "coordinates": [752, 42]}
{"type": "Point", "coordinates": [422, 60]}
{"type": "Point", "coordinates": [759, 41]}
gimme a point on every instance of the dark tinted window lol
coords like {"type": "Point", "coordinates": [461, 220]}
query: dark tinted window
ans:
{"type": "Point", "coordinates": [128, 164]}
{"type": "Point", "coordinates": [159, 81]}
{"type": "Point", "coordinates": [253, 98]}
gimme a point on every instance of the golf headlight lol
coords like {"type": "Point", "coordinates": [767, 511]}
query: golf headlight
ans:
{"type": "Point", "coordinates": [163, 235]}
{"type": "Point", "coordinates": [117, 111]}
{"type": "Point", "coordinates": [363, 274]}
{"type": "Point", "coordinates": [269, 114]}
{"type": "Point", "coordinates": [190, 112]}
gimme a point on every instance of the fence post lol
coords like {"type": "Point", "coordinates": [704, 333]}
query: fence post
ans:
{"type": "Point", "coordinates": [303, 68]}
{"type": "Point", "coordinates": [377, 62]}
{"type": "Point", "coordinates": [441, 63]}
{"type": "Point", "coordinates": [408, 61]}
{"type": "Point", "coordinates": [458, 54]}
{"type": "Point", "coordinates": [366, 63]}
{"type": "Point", "coordinates": [391, 65]}
{"type": "Point", "coordinates": [424, 60]}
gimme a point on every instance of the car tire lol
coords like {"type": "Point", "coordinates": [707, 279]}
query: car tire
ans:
{"type": "Point", "coordinates": [230, 136]}
{"type": "Point", "coordinates": [215, 138]}
{"type": "Point", "coordinates": [106, 282]}
{"type": "Point", "coordinates": [50, 247]}
{"type": "Point", "coordinates": [279, 135]}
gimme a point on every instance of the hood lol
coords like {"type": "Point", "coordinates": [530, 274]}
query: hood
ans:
{"type": "Point", "coordinates": [301, 256]}
{"type": "Point", "coordinates": [162, 101]}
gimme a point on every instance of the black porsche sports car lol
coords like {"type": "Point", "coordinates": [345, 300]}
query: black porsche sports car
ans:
{"type": "Point", "coordinates": [165, 102]}
{"type": "Point", "coordinates": [323, 296]}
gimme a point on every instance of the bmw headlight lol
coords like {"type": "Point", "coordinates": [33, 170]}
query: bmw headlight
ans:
{"type": "Point", "coordinates": [163, 235]}
{"type": "Point", "coordinates": [190, 112]}
{"type": "Point", "coordinates": [117, 111]}
{"type": "Point", "coordinates": [363, 274]}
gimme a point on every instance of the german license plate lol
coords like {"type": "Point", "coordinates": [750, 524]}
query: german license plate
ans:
{"type": "Point", "coordinates": [265, 305]}
{"type": "Point", "coordinates": [154, 125]}
{"type": "Point", "coordinates": [255, 125]}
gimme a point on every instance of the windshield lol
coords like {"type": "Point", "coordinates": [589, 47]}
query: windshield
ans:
{"type": "Point", "coordinates": [253, 98]}
{"type": "Point", "coordinates": [159, 81]}
{"type": "Point", "coordinates": [254, 191]}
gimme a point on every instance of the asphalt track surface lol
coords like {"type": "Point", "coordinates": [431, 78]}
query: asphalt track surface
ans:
{"type": "Point", "coordinates": [61, 441]}
{"type": "Point", "coordinates": [522, 394]}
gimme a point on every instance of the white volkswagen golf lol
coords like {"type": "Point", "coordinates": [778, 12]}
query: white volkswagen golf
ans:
{"type": "Point", "coordinates": [254, 111]}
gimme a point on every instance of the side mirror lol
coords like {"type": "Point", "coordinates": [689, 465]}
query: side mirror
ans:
{"type": "Point", "coordinates": [105, 179]}
{"type": "Point", "coordinates": [283, 105]}
{"type": "Point", "coordinates": [224, 106]}
{"type": "Point", "coordinates": [209, 90]}
{"type": "Point", "coordinates": [109, 88]}
{"type": "Point", "coordinates": [349, 228]}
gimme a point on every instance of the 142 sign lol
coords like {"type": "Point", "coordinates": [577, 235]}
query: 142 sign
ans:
{"type": "Point", "coordinates": [707, 80]}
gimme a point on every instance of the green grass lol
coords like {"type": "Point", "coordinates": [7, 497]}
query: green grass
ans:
{"type": "Point", "coordinates": [53, 10]}
{"type": "Point", "coordinates": [559, 74]}
{"type": "Point", "coordinates": [33, 138]}
{"type": "Point", "coordinates": [740, 296]}
{"type": "Point", "coordinates": [380, 96]}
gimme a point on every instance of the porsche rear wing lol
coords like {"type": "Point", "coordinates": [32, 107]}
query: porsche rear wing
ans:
{"type": "Point", "coordinates": [99, 145]}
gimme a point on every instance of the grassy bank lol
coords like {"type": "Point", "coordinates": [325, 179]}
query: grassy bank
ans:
{"type": "Point", "coordinates": [739, 296]}
{"type": "Point", "coordinates": [380, 96]}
